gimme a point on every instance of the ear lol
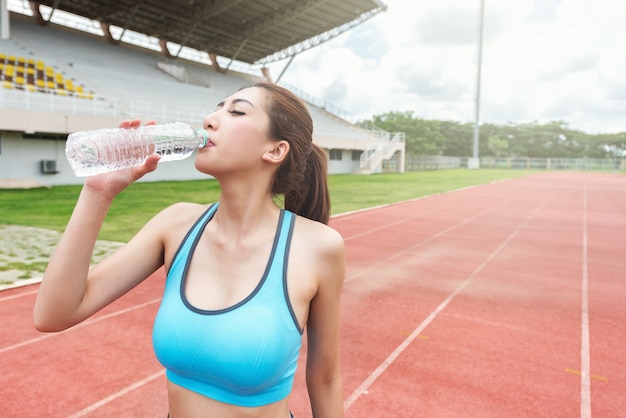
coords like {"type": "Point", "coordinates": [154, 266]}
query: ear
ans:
{"type": "Point", "coordinates": [276, 152]}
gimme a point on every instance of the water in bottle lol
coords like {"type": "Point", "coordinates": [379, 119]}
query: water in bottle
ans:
{"type": "Point", "coordinates": [100, 151]}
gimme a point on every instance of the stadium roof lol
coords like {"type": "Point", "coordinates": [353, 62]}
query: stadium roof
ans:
{"type": "Point", "coordinates": [250, 31]}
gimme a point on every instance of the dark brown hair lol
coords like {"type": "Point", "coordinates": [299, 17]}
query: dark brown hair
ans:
{"type": "Point", "coordinates": [302, 177]}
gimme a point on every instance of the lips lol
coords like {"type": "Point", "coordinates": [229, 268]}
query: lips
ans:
{"type": "Point", "coordinates": [206, 144]}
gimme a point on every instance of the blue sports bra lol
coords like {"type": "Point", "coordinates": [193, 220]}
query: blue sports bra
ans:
{"type": "Point", "coordinates": [244, 355]}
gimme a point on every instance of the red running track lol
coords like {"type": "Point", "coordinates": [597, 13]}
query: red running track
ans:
{"type": "Point", "coordinates": [501, 300]}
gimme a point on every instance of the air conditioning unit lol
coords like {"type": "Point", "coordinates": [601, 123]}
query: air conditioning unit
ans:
{"type": "Point", "coordinates": [49, 167]}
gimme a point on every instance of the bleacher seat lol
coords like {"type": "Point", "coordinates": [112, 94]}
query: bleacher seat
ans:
{"type": "Point", "coordinates": [29, 74]}
{"type": "Point", "coordinates": [9, 72]}
{"type": "Point", "coordinates": [40, 85]}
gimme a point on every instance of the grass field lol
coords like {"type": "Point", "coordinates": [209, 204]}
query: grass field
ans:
{"type": "Point", "coordinates": [50, 208]}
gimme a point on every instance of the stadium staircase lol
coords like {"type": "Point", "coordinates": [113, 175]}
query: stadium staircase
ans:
{"type": "Point", "coordinates": [386, 146]}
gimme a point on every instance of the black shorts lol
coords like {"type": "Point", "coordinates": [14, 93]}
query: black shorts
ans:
{"type": "Point", "coordinates": [290, 413]}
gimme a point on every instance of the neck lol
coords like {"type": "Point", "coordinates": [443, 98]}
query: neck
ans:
{"type": "Point", "coordinates": [245, 210]}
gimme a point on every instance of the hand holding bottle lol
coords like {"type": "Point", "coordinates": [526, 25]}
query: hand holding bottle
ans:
{"type": "Point", "coordinates": [115, 181]}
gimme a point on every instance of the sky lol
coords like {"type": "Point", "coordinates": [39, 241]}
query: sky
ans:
{"type": "Point", "coordinates": [542, 61]}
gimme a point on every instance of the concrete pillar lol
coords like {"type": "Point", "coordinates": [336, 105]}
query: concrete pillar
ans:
{"type": "Point", "coordinates": [473, 163]}
{"type": "Point", "coordinates": [4, 20]}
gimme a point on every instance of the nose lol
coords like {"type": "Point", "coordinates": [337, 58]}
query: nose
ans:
{"type": "Point", "coordinates": [210, 121]}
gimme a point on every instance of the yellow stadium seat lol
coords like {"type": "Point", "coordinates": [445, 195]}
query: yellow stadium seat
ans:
{"type": "Point", "coordinates": [9, 72]}
{"type": "Point", "coordinates": [30, 76]}
{"type": "Point", "coordinates": [7, 85]}
{"type": "Point", "coordinates": [19, 83]}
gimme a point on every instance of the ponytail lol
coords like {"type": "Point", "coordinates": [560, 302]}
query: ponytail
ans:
{"type": "Point", "coordinates": [311, 199]}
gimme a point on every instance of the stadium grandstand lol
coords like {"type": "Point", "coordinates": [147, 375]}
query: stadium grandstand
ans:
{"type": "Point", "coordinates": [74, 65]}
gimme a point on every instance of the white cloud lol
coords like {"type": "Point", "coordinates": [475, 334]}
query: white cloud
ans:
{"type": "Point", "coordinates": [543, 60]}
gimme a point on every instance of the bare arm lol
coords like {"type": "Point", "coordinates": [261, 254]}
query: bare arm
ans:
{"type": "Point", "coordinates": [323, 369]}
{"type": "Point", "coordinates": [70, 292]}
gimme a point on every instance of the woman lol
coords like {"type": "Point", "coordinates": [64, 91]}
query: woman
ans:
{"type": "Point", "coordinates": [244, 276]}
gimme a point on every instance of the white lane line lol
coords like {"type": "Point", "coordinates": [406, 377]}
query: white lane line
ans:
{"type": "Point", "coordinates": [117, 394]}
{"type": "Point", "coordinates": [19, 295]}
{"type": "Point", "coordinates": [425, 241]}
{"type": "Point", "coordinates": [585, 377]}
{"type": "Point", "coordinates": [367, 383]}
{"type": "Point", "coordinates": [80, 325]}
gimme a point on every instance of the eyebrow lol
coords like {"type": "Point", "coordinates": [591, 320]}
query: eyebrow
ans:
{"type": "Point", "coordinates": [221, 104]}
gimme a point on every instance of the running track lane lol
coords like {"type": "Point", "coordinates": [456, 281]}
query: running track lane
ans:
{"type": "Point", "coordinates": [500, 300]}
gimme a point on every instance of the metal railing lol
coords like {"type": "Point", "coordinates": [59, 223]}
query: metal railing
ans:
{"type": "Point", "coordinates": [441, 162]}
{"type": "Point", "coordinates": [431, 162]}
{"type": "Point", "coordinates": [579, 164]}
{"type": "Point", "coordinates": [101, 106]}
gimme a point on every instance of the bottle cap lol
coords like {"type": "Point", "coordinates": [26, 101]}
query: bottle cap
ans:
{"type": "Point", "coordinates": [205, 137]}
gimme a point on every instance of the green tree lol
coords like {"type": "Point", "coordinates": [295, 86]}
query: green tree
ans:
{"type": "Point", "coordinates": [613, 145]}
{"type": "Point", "coordinates": [422, 136]}
{"type": "Point", "coordinates": [498, 147]}
{"type": "Point", "coordinates": [534, 140]}
{"type": "Point", "coordinates": [458, 138]}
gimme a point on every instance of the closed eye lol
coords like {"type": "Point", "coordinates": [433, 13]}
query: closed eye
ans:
{"type": "Point", "coordinates": [237, 112]}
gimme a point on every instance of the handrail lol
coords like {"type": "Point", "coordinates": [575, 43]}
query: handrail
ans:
{"type": "Point", "coordinates": [101, 106]}
{"type": "Point", "coordinates": [373, 156]}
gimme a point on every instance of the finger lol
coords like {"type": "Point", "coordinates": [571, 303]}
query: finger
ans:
{"type": "Point", "coordinates": [152, 162]}
{"type": "Point", "coordinates": [125, 123]}
{"type": "Point", "coordinates": [150, 165]}
{"type": "Point", "coordinates": [151, 122]}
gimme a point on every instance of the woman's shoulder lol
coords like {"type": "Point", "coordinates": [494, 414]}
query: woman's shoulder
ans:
{"type": "Point", "coordinates": [182, 208]}
{"type": "Point", "coordinates": [173, 222]}
{"type": "Point", "coordinates": [320, 250]}
{"type": "Point", "coordinates": [181, 212]}
{"type": "Point", "coordinates": [319, 235]}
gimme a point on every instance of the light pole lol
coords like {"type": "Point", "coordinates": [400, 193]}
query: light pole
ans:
{"type": "Point", "coordinates": [475, 162]}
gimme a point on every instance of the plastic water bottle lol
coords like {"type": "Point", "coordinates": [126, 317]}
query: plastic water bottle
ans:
{"type": "Point", "coordinates": [103, 150]}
